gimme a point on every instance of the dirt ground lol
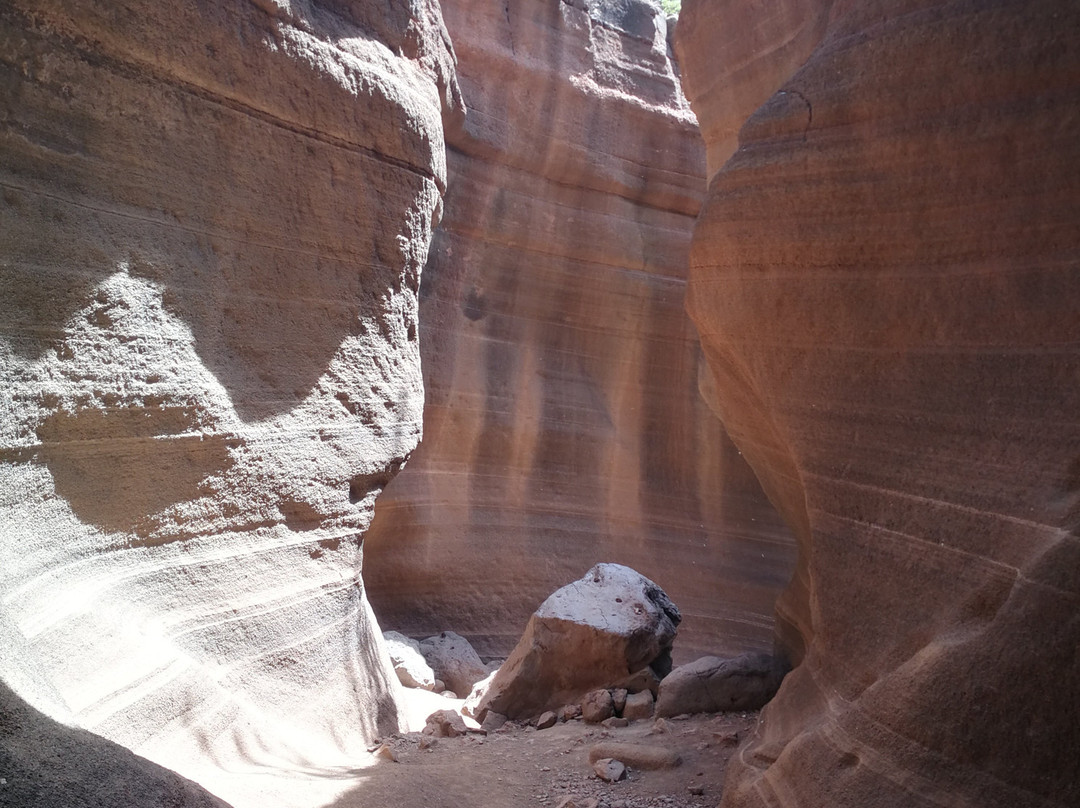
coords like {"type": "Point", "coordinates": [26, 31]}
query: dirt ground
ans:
{"type": "Point", "coordinates": [521, 766]}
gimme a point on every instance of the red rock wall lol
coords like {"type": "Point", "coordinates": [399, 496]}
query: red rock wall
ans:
{"type": "Point", "coordinates": [563, 423]}
{"type": "Point", "coordinates": [886, 278]}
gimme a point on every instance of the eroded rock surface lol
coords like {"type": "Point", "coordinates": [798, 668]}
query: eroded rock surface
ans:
{"type": "Point", "coordinates": [563, 417]}
{"type": "Point", "coordinates": [885, 278]}
{"type": "Point", "coordinates": [589, 634]}
{"type": "Point", "coordinates": [213, 220]}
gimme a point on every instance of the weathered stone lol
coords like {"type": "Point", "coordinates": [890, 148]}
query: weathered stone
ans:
{"type": "Point", "coordinates": [568, 712]}
{"type": "Point", "coordinates": [591, 633]}
{"type": "Point", "coordinates": [445, 724]}
{"type": "Point", "coordinates": [213, 223]}
{"type": "Point", "coordinates": [561, 370]}
{"type": "Point", "coordinates": [714, 685]}
{"type": "Point", "coordinates": [385, 752]}
{"type": "Point", "coordinates": [608, 770]}
{"type": "Point", "coordinates": [639, 705]}
{"type": "Point", "coordinates": [546, 720]}
{"type": "Point", "coordinates": [615, 722]}
{"type": "Point", "coordinates": [492, 721]}
{"type": "Point", "coordinates": [409, 664]}
{"type": "Point", "coordinates": [885, 282]}
{"type": "Point", "coordinates": [636, 755]}
{"type": "Point", "coordinates": [644, 679]}
{"type": "Point", "coordinates": [471, 707]}
{"type": "Point", "coordinates": [597, 706]}
{"type": "Point", "coordinates": [454, 660]}
{"type": "Point", "coordinates": [618, 699]}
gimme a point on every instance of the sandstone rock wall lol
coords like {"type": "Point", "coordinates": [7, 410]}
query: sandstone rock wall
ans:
{"type": "Point", "coordinates": [885, 278]}
{"type": "Point", "coordinates": [213, 220]}
{"type": "Point", "coordinates": [564, 425]}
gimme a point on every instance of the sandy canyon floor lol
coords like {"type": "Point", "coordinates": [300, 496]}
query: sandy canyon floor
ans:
{"type": "Point", "coordinates": [523, 766]}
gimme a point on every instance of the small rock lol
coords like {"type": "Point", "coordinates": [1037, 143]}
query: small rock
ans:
{"type": "Point", "coordinates": [638, 705]}
{"type": "Point", "coordinates": [644, 679]}
{"type": "Point", "coordinates": [445, 724]}
{"type": "Point", "coordinates": [609, 770]}
{"type": "Point", "coordinates": [449, 694]}
{"type": "Point", "coordinates": [439, 686]}
{"type": "Point", "coordinates": [385, 752]}
{"type": "Point", "coordinates": [696, 789]}
{"type": "Point", "coordinates": [596, 706]}
{"type": "Point", "coordinates": [614, 722]}
{"type": "Point", "coordinates": [618, 699]}
{"type": "Point", "coordinates": [546, 720]}
{"type": "Point", "coordinates": [727, 738]}
{"type": "Point", "coordinates": [427, 742]}
{"type": "Point", "coordinates": [493, 721]}
{"type": "Point", "coordinates": [660, 727]}
{"type": "Point", "coordinates": [568, 712]}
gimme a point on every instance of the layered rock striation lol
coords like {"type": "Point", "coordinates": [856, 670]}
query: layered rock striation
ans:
{"type": "Point", "coordinates": [885, 279]}
{"type": "Point", "coordinates": [214, 216]}
{"type": "Point", "coordinates": [563, 424]}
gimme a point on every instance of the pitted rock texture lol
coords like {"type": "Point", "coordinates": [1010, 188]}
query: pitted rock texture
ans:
{"type": "Point", "coordinates": [591, 633]}
{"type": "Point", "coordinates": [563, 418]}
{"type": "Point", "coordinates": [213, 220]}
{"type": "Point", "coordinates": [886, 278]}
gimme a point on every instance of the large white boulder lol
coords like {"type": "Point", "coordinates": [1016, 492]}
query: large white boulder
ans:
{"type": "Point", "coordinates": [592, 633]}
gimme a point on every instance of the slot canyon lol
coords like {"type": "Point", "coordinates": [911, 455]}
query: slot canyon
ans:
{"type": "Point", "coordinates": [321, 319]}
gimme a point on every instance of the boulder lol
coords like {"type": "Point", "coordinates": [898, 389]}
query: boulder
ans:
{"type": "Point", "coordinates": [715, 685]}
{"type": "Point", "coordinates": [453, 660]}
{"type": "Point", "coordinates": [639, 705]}
{"type": "Point", "coordinates": [592, 633]}
{"type": "Point", "coordinates": [409, 664]}
{"type": "Point", "coordinates": [546, 720]}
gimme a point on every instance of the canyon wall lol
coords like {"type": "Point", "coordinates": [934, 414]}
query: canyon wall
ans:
{"type": "Point", "coordinates": [885, 277]}
{"type": "Point", "coordinates": [214, 216]}
{"type": "Point", "coordinates": [563, 424]}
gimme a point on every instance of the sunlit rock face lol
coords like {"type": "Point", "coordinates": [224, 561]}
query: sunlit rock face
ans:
{"type": "Point", "coordinates": [564, 424]}
{"type": "Point", "coordinates": [214, 217]}
{"type": "Point", "coordinates": [885, 278]}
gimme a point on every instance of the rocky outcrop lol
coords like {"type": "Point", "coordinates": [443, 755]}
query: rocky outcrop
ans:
{"type": "Point", "coordinates": [214, 216]}
{"type": "Point", "coordinates": [592, 633]}
{"type": "Point", "coordinates": [885, 278]}
{"type": "Point", "coordinates": [563, 418]}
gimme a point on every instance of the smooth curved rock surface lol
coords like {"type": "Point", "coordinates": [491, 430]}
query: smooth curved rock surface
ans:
{"type": "Point", "coordinates": [213, 220]}
{"type": "Point", "coordinates": [886, 278]}
{"type": "Point", "coordinates": [563, 419]}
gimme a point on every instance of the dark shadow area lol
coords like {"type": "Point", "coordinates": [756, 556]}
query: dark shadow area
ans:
{"type": "Point", "coordinates": [45, 764]}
